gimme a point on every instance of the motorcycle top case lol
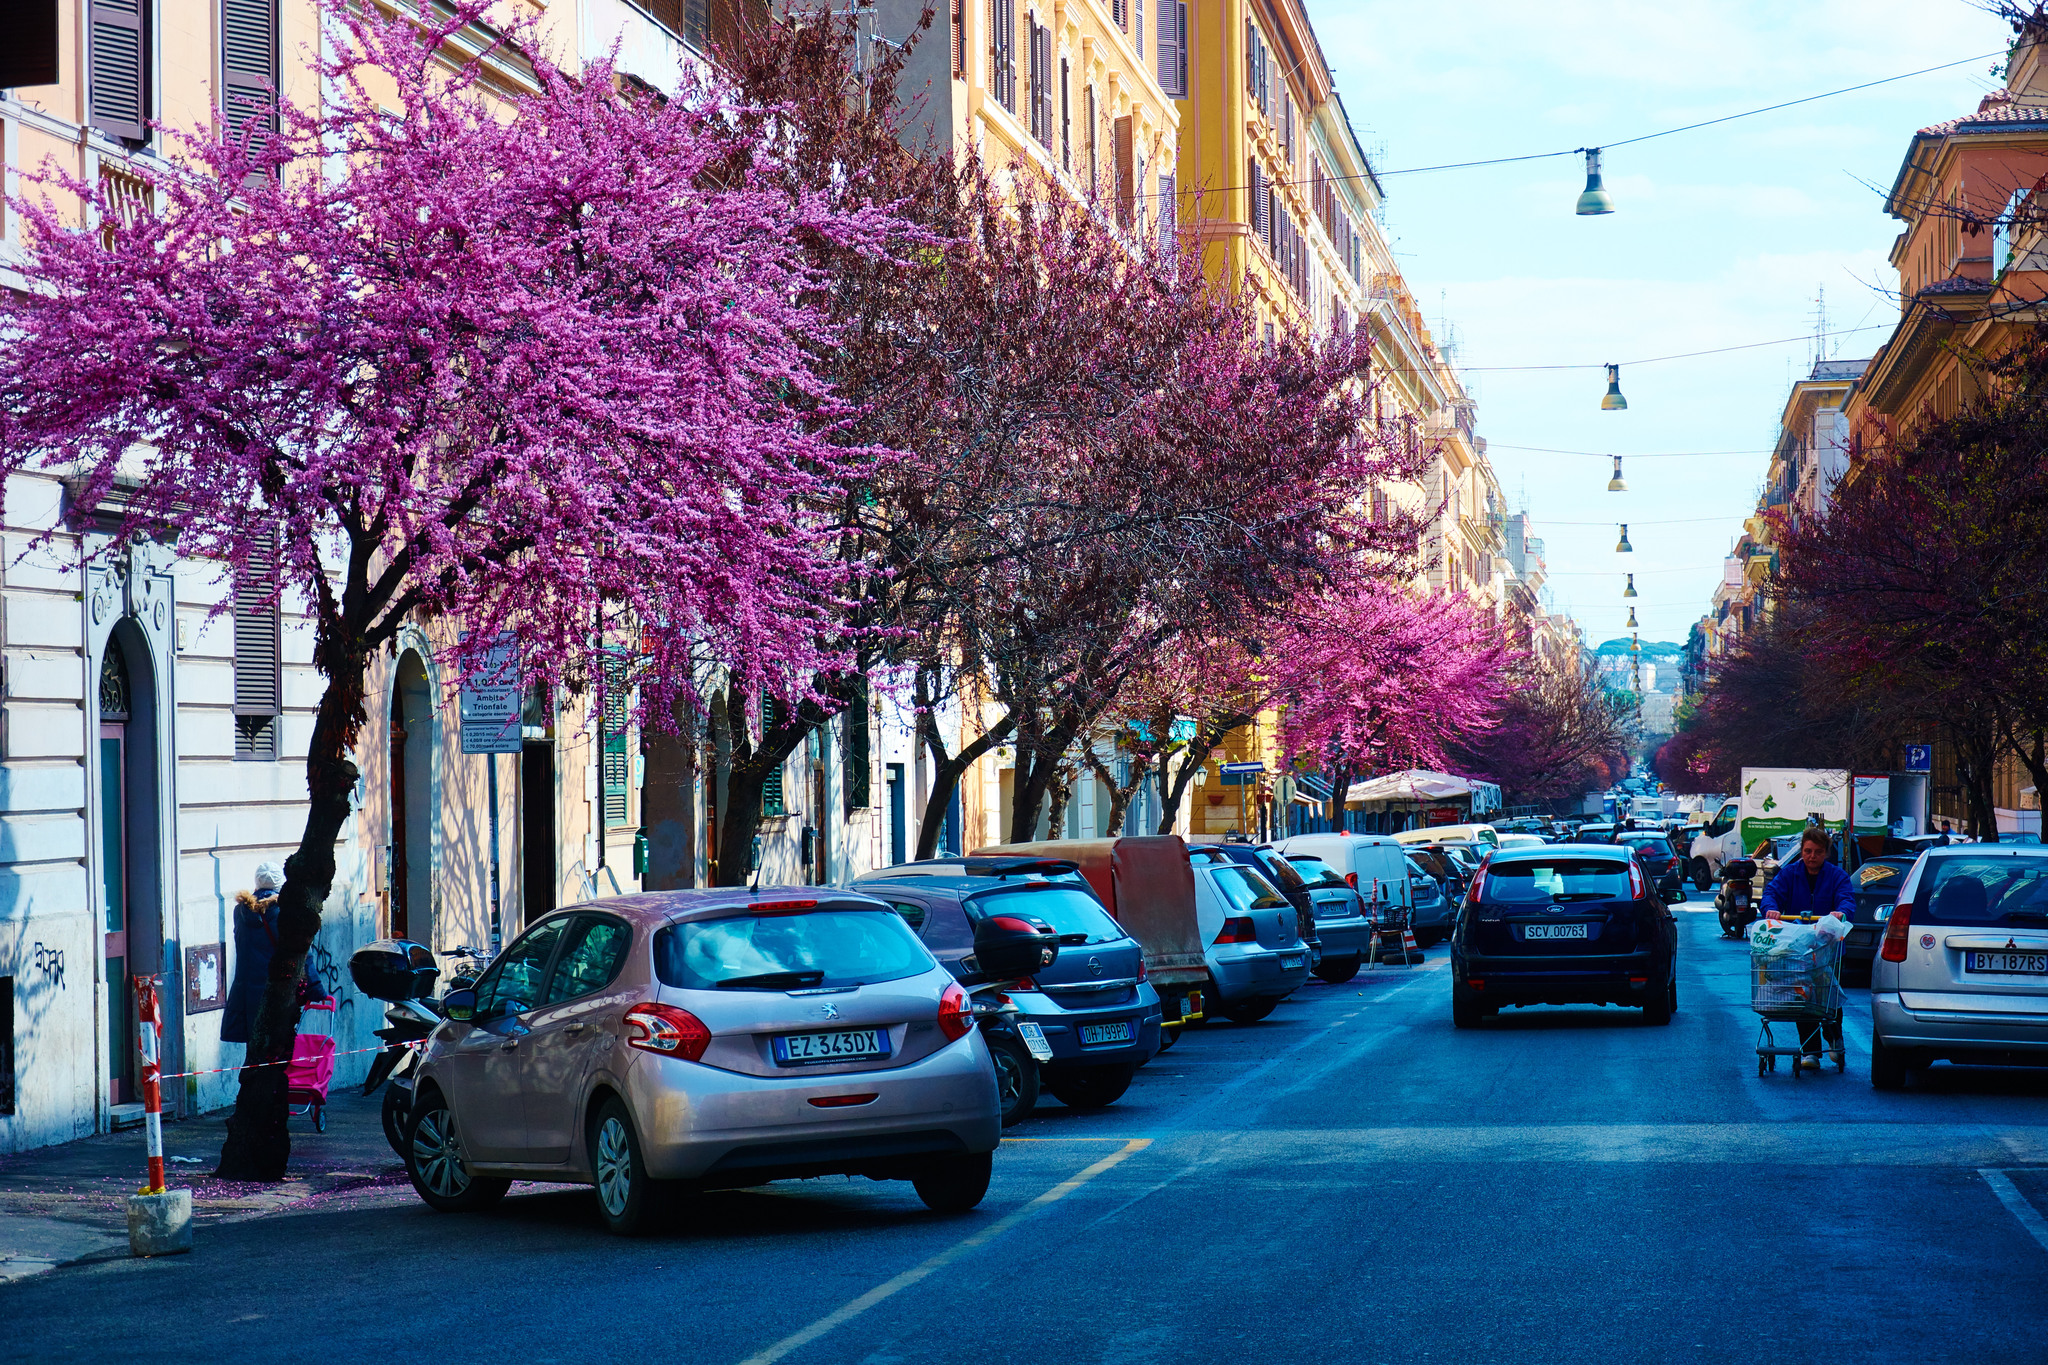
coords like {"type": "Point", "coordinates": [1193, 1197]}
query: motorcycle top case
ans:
{"type": "Point", "coordinates": [394, 969]}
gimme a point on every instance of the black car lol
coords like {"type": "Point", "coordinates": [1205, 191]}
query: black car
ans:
{"type": "Point", "coordinates": [1659, 856]}
{"type": "Point", "coordinates": [1876, 884]}
{"type": "Point", "coordinates": [1565, 924]}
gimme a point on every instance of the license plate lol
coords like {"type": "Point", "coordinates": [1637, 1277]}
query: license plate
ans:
{"type": "Point", "coordinates": [2025, 964]}
{"type": "Point", "coordinates": [1118, 1032]}
{"type": "Point", "coordinates": [1034, 1042]}
{"type": "Point", "coordinates": [812, 1049]}
{"type": "Point", "coordinates": [1533, 931]}
{"type": "Point", "coordinates": [1288, 964]}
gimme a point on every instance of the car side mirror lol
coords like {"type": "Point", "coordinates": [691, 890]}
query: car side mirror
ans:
{"type": "Point", "coordinates": [459, 1005]}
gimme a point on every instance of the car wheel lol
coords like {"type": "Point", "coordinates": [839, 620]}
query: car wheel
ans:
{"type": "Point", "coordinates": [1428, 938]}
{"type": "Point", "coordinates": [394, 1119]}
{"type": "Point", "coordinates": [1090, 1087]}
{"type": "Point", "coordinates": [435, 1163]}
{"type": "Point", "coordinates": [955, 1183]}
{"type": "Point", "coordinates": [628, 1199]}
{"type": "Point", "coordinates": [1702, 875]}
{"type": "Point", "coordinates": [1888, 1068]}
{"type": "Point", "coordinates": [1657, 1009]}
{"type": "Point", "coordinates": [1252, 1010]}
{"type": "Point", "coordinates": [1337, 970]}
{"type": "Point", "coordinates": [1674, 992]}
{"type": "Point", "coordinates": [1016, 1078]}
{"type": "Point", "coordinates": [1465, 1011]}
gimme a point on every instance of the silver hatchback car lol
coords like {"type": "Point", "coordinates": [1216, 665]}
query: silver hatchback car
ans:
{"type": "Point", "coordinates": [1962, 972]}
{"type": "Point", "coordinates": [685, 1040]}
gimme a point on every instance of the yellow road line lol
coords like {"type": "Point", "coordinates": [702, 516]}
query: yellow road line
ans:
{"type": "Point", "coordinates": [849, 1311]}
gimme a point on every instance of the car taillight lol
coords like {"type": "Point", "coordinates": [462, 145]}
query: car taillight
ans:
{"type": "Point", "coordinates": [1637, 887]}
{"type": "Point", "coordinates": [955, 1018]}
{"type": "Point", "coordinates": [666, 1031]}
{"type": "Point", "coordinates": [1142, 973]}
{"type": "Point", "coordinates": [1351, 880]}
{"type": "Point", "coordinates": [1894, 949]}
{"type": "Point", "coordinates": [1238, 930]}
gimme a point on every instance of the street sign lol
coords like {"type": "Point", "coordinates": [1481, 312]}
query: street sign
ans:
{"type": "Point", "coordinates": [1919, 758]}
{"type": "Point", "coordinates": [490, 703]}
{"type": "Point", "coordinates": [1244, 767]}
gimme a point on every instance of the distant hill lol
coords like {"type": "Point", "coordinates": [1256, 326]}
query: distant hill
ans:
{"type": "Point", "coordinates": [1661, 649]}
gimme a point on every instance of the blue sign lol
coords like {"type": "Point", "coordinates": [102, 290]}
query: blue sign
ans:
{"type": "Point", "coordinates": [1244, 767]}
{"type": "Point", "coordinates": [1919, 758]}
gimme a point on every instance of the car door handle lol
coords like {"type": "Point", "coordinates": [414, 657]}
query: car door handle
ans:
{"type": "Point", "coordinates": [509, 1045]}
{"type": "Point", "coordinates": [576, 1027]}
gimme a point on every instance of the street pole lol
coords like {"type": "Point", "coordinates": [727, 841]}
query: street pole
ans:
{"type": "Point", "coordinates": [497, 932]}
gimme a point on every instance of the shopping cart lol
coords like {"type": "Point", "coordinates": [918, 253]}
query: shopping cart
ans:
{"type": "Point", "coordinates": [311, 1067]}
{"type": "Point", "coordinates": [1801, 989]}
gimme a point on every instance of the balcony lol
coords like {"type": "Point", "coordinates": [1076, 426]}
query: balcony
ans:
{"type": "Point", "coordinates": [124, 198]}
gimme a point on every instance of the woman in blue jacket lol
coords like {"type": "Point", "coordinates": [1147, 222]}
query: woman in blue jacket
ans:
{"type": "Point", "coordinates": [1812, 885]}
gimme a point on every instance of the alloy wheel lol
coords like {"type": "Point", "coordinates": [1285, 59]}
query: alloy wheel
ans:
{"type": "Point", "coordinates": [614, 1165]}
{"type": "Point", "coordinates": [437, 1154]}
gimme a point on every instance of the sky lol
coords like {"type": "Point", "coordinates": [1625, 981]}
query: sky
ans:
{"type": "Point", "coordinates": [1719, 237]}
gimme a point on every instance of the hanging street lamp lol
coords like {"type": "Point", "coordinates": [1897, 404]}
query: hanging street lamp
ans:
{"type": "Point", "coordinates": [1594, 199]}
{"type": "Point", "coordinates": [1614, 402]}
{"type": "Point", "coordinates": [1617, 484]}
{"type": "Point", "coordinates": [1630, 590]}
{"type": "Point", "coordinates": [1624, 548]}
{"type": "Point", "coordinates": [1632, 618]}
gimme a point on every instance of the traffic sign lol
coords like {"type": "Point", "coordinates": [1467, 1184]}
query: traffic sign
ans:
{"type": "Point", "coordinates": [1244, 767]}
{"type": "Point", "coordinates": [490, 703]}
{"type": "Point", "coordinates": [1919, 758]}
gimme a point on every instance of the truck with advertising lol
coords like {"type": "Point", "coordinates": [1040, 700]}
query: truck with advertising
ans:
{"type": "Point", "coordinates": [1779, 801]}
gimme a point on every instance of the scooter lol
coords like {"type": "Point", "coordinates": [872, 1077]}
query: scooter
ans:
{"type": "Point", "coordinates": [1015, 1045]}
{"type": "Point", "coordinates": [402, 974]}
{"type": "Point", "coordinates": [1736, 900]}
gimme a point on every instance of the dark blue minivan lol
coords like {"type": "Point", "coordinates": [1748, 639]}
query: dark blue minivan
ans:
{"type": "Point", "coordinates": [1098, 1013]}
{"type": "Point", "coordinates": [1563, 924]}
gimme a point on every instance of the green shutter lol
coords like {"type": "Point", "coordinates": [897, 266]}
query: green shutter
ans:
{"type": "Point", "coordinates": [859, 758]}
{"type": "Point", "coordinates": [772, 803]}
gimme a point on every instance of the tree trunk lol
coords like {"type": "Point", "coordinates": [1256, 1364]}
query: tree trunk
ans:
{"type": "Point", "coordinates": [259, 1145]}
{"type": "Point", "coordinates": [1976, 756]}
{"type": "Point", "coordinates": [1046, 756]}
{"type": "Point", "coordinates": [946, 773]}
{"type": "Point", "coordinates": [1119, 794]}
{"type": "Point", "coordinates": [1173, 785]}
{"type": "Point", "coordinates": [1059, 793]}
{"type": "Point", "coordinates": [753, 764]}
{"type": "Point", "coordinates": [1340, 786]}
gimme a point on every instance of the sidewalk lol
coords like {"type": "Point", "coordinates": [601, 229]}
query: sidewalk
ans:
{"type": "Point", "coordinates": [69, 1203]}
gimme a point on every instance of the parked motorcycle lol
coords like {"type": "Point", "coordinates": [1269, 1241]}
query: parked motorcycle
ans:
{"type": "Point", "coordinates": [1736, 900]}
{"type": "Point", "coordinates": [401, 973]}
{"type": "Point", "coordinates": [1007, 947]}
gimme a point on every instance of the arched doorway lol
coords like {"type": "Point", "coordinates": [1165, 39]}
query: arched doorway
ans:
{"type": "Point", "coordinates": [125, 767]}
{"type": "Point", "coordinates": [412, 800]}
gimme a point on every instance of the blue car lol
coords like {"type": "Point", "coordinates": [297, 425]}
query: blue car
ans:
{"type": "Point", "coordinates": [1098, 1013]}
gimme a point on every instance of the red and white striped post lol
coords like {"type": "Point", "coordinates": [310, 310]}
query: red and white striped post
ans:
{"type": "Point", "coordinates": [147, 1027]}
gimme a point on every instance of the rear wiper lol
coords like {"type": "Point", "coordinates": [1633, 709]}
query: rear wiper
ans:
{"type": "Point", "coordinates": [1072, 940]}
{"type": "Point", "coordinates": [773, 980]}
{"type": "Point", "coordinates": [2029, 916]}
{"type": "Point", "coordinates": [1582, 896]}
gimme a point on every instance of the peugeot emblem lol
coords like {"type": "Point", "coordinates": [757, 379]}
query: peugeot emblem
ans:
{"type": "Point", "coordinates": [829, 1010]}
{"type": "Point", "coordinates": [1095, 966]}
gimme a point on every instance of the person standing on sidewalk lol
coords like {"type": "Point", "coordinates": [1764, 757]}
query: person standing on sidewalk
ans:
{"type": "Point", "coordinates": [255, 945]}
{"type": "Point", "coordinates": [1811, 885]}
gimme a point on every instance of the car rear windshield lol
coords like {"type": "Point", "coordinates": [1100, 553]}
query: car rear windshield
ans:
{"type": "Point", "coordinates": [1279, 871]}
{"type": "Point", "coordinates": [1074, 915]}
{"type": "Point", "coordinates": [1539, 881]}
{"type": "Point", "coordinates": [789, 952]}
{"type": "Point", "coordinates": [1880, 876]}
{"type": "Point", "coordinates": [1998, 890]}
{"type": "Point", "coordinates": [1315, 873]}
{"type": "Point", "coordinates": [1245, 889]}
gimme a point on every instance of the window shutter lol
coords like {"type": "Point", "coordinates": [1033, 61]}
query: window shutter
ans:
{"type": "Point", "coordinates": [1119, 13]}
{"type": "Point", "coordinates": [615, 764]}
{"type": "Point", "coordinates": [1170, 39]}
{"type": "Point", "coordinates": [959, 15]}
{"type": "Point", "coordinates": [249, 68]}
{"type": "Point", "coordinates": [28, 56]}
{"type": "Point", "coordinates": [1169, 211]}
{"type": "Point", "coordinates": [1066, 118]}
{"type": "Point", "coordinates": [1010, 55]}
{"type": "Point", "coordinates": [1031, 75]}
{"type": "Point", "coordinates": [995, 49]}
{"type": "Point", "coordinates": [120, 69]}
{"type": "Point", "coordinates": [1126, 166]}
{"type": "Point", "coordinates": [1138, 29]}
{"type": "Point", "coordinates": [859, 749]}
{"type": "Point", "coordinates": [772, 797]}
{"type": "Point", "coordinates": [259, 676]}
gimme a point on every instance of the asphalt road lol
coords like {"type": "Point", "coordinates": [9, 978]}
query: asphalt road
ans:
{"type": "Point", "coordinates": [1351, 1180]}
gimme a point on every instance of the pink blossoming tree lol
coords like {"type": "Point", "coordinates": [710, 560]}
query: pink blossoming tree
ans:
{"type": "Point", "coordinates": [528, 362]}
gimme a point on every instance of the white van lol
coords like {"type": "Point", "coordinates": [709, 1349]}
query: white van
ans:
{"type": "Point", "coordinates": [1363, 860]}
{"type": "Point", "coordinates": [1484, 835]}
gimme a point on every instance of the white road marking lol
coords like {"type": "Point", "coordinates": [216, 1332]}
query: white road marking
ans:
{"type": "Point", "coordinates": [2016, 1203]}
{"type": "Point", "coordinates": [851, 1310]}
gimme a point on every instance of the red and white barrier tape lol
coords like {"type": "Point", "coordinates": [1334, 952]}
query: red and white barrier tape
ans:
{"type": "Point", "coordinates": [215, 1071]}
